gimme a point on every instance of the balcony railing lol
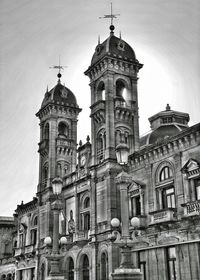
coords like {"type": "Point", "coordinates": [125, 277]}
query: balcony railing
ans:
{"type": "Point", "coordinates": [191, 208]}
{"type": "Point", "coordinates": [164, 215]}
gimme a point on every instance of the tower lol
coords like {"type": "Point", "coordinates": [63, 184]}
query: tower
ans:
{"type": "Point", "coordinates": [58, 134]}
{"type": "Point", "coordinates": [114, 102]}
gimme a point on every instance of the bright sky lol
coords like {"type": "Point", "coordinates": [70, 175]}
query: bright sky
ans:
{"type": "Point", "coordinates": [164, 34]}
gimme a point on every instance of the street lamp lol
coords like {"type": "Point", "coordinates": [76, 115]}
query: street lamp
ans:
{"type": "Point", "coordinates": [126, 270]}
{"type": "Point", "coordinates": [56, 206]}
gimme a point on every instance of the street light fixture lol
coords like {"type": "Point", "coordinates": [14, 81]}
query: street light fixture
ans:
{"type": "Point", "coordinates": [56, 207]}
{"type": "Point", "coordinates": [126, 270]}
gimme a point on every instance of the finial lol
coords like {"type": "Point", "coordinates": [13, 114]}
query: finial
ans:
{"type": "Point", "coordinates": [80, 143]}
{"type": "Point", "coordinates": [98, 39]}
{"type": "Point", "coordinates": [47, 89]}
{"type": "Point", "coordinates": [60, 68]}
{"type": "Point", "coordinates": [168, 108]}
{"type": "Point", "coordinates": [88, 139]}
{"type": "Point", "coordinates": [111, 16]}
{"type": "Point", "coordinates": [120, 35]}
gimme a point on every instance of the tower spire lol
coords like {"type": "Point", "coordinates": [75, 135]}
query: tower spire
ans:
{"type": "Point", "coordinates": [111, 16]}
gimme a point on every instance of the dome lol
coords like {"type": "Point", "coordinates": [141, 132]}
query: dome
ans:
{"type": "Point", "coordinates": [61, 95]}
{"type": "Point", "coordinates": [113, 46]}
{"type": "Point", "coordinates": [165, 124]}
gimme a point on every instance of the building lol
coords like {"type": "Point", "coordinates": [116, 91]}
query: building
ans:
{"type": "Point", "coordinates": [7, 246]}
{"type": "Point", "coordinates": [164, 192]}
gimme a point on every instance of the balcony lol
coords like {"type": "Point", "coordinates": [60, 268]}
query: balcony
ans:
{"type": "Point", "coordinates": [19, 252]}
{"type": "Point", "coordinates": [163, 215]}
{"type": "Point", "coordinates": [191, 208]}
{"type": "Point", "coordinates": [43, 145]}
{"type": "Point", "coordinates": [82, 235]}
{"type": "Point", "coordinates": [30, 249]}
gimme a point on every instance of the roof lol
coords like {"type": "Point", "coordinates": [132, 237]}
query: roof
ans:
{"type": "Point", "coordinates": [165, 124]}
{"type": "Point", "coordinates": [114, 46]}
{"type": "Point", "coordinates": [60, 94]}
{"type": "Point", "coordinates": [162, 132]}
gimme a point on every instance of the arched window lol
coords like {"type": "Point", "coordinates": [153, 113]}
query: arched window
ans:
{"type": "Point", "coordinates": [87, 202]}
{"type": "Point", "coordinates": [166, 173]}
{"type": "Point", "coordinates": [3, 277]}
{"type": "Point", "coordinates": [35, 221]}
{"type": "Point", "coordinates": [165, 192]}
{"type": "Point", "coordinates": [65, 169]}
{"type": "Point", "coordinates": [42, 271]}
{"type": "Point", "coordinates": [104, 267]}
{"type": "Point", "coordinates": [101, 91]}
{"type": "Point", "coordinates": [9, 276]}
{"type": "Point", "coordinates": [121, 91]}
{"type": "Point", "coordinates": [46, 132]}
{"type": "Point", "coordinates": [85, 268]}
{"type": "Point", "coordinates": [59, 169]}
{"type": "Point", "coordinates": [62, 129]}
{"type": "Point", "coordinates": [87, 221]}
{"type": "Point", "coordinates": [45, 175]}
{"type": "Point", "coordinates": [71, 269]}
{"type": "Point", "coordinates": [101, 145]}
{"type": "Point", "coordinates": [34, 231]}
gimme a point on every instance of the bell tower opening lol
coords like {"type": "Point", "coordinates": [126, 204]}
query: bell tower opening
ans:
{"type": "Point", "coordinates": [101, 91]}
{"type": "Point", "coordinates": [62, 129]}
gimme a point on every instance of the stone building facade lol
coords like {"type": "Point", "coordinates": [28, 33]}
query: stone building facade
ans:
{"type": "Point", "coordinates": [7, 246]}
{"type": "Point", "coordinates": [164, 193]}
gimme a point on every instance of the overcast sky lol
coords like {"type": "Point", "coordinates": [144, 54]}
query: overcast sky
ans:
{"type": "Point", "coordinates": [165, 36]}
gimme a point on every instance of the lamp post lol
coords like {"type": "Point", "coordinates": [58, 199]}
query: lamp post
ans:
{"type": "Point", "coordinates": [55, 257]}
{"type": "Point", "coordinates": [126, 270]}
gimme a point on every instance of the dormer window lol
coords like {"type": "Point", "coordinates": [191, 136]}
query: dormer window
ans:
{"type": "Point", "coordinates": [167, 120]}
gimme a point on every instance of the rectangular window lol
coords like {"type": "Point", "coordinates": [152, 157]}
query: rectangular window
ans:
{"type": "Point", "coordinates": [197, 189]}
{"type": "Point", "coordinates": [135, 206]}
{"type": "Point", "coordinates": [142, 264]}
{"type": "Point", "coordinates": [168, 198]}
{"type": "Point", "coordinates": [32, 273]}
{"type": "Point", "coordinates": [33, 236]}
{"type": "Point", "coordinates": [171, 263]}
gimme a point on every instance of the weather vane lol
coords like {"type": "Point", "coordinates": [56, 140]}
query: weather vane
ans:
{"type": "Point", "coordinates": [111, 16]}
{"type": "Point", "coordinates": [59, 67]}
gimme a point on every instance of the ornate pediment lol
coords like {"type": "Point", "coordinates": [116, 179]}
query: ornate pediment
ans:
{"type": "Point", "coordinates": [191, 168]}
{"type": "Point", "coordinates": [135, 188]}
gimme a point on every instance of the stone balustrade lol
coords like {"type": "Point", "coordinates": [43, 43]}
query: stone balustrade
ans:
{"type": "Point", "coordinates": [164, 215]}
{"type": "Point", "coordinates": [191, 208]}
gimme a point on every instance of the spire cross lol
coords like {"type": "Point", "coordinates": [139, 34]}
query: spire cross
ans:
{"type": "Point", "coordinates": [59, 67]}
{"type": "Point", "coordinates": [111, 16]}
